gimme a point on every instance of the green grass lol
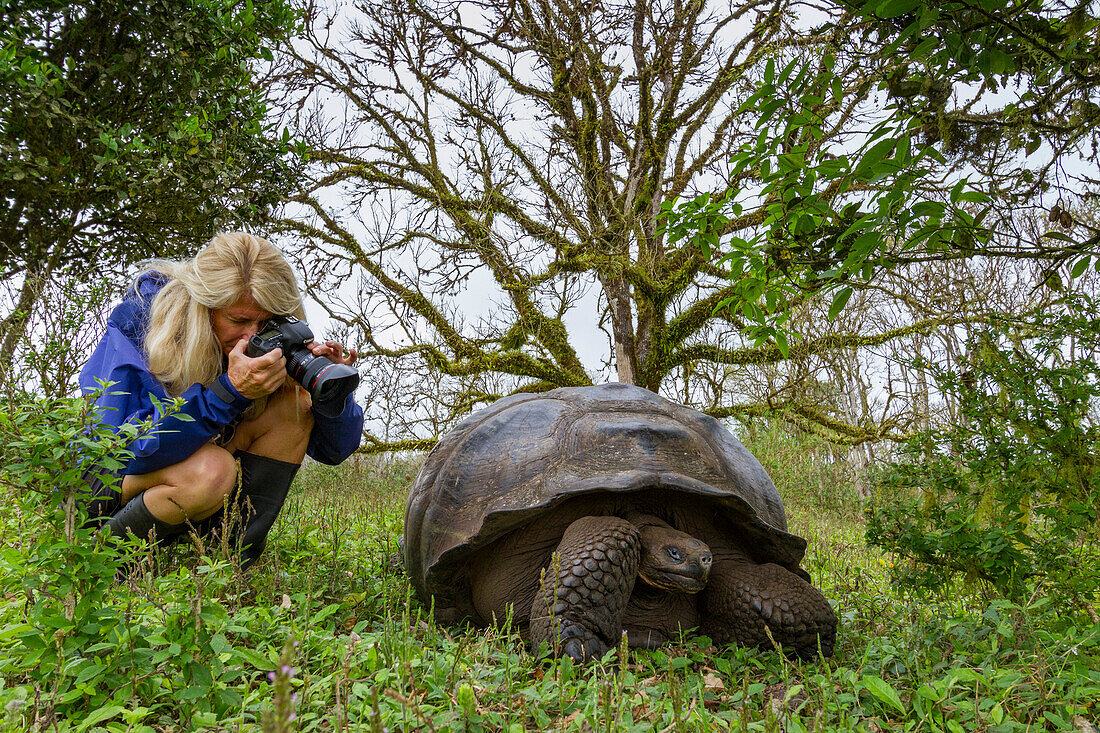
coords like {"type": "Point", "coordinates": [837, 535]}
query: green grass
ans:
{"type": "Point", "coordinates": [347, 648]}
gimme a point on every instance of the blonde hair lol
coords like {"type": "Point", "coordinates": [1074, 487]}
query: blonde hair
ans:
{"type": "Point", "coordinates": [180, 344]}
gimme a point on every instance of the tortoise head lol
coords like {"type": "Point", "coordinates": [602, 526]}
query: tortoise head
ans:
{"type": "Point", "coordinates": [673, 561]}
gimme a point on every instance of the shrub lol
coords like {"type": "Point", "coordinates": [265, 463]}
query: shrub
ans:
{"type": "Point", "coordinates": [1007, 493]}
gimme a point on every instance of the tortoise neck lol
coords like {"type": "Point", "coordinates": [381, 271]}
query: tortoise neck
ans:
{"type": "Point", "coordinates": [645, 520]}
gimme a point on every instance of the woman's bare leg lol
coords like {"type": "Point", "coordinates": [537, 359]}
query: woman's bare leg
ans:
{"type": "Point", "coordinates": [190, 490]}
{"type": "Point", "coordinates": [281, 431]}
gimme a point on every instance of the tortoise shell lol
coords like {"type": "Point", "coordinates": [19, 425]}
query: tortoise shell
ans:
{"type": "Point", "coordinates": [525, 454]}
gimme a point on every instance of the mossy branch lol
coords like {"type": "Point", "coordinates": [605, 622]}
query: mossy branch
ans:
{"type": "Point", "coordinates": [372, 445]}
{"type": "Point", "coordinates": [770, 353]}
{"type": "Point", "coordinates": [812, 420]}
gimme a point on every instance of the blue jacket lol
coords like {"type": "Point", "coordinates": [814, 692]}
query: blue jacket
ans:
{"type": "Point", "coordinates": [120, 358]}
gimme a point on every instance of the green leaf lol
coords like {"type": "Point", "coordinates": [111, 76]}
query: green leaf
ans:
{"type": "Point", "coordinates": [864, 246]}
{"type": "Point", "coordinates": [966, 675]}
{"type": "Point", "coordinates": [201, 676]}
{"type": "Point", "coordinates": [92, 670]}
{"type": "Point", "coordinates": [874, 156]}
{"type": "Point", "coordinates": [929, 209]}
{"type": "Point", "coordinates": [881, 689]}
{"type": "Point", "coordinates": [72, 696]}
{"type": "Point", "coordinates": [974, 197]}
{"type": "Point", "coordinates": [999, 62]}
{"type": "Point", "coordinates": [193, 692]}
{"type": "Point", "coordinates": [1058, 721]}
{"type": "Point", "coordinates": [929, 693]}
{"type": "Point", "coordinates": [781, 343]}
{"type": "Point", "coordinates": [334, 607]}
{"type": "Point", "coordinates": [903, 153]}
{"type": "Point", "coordinates": [98, 716]}
{"type": "Point", "coordinates": [894, 8]}
{"type": "Point", "coordinates": [256, 659]}
{"type": "Point", "coordinates": [839, 301]}
{"type": "Point", "coordinates": [786, 73]}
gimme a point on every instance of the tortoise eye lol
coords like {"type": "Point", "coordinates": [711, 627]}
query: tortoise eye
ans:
{"type": "Point", "coordinates": [674, 553]}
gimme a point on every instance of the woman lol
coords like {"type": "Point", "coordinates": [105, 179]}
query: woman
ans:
{"type": "Point", "coordinates": [181, 331]}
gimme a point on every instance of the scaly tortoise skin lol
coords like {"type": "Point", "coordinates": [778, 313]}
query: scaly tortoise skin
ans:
{"type": "Point", "coordinates": [586, 513]}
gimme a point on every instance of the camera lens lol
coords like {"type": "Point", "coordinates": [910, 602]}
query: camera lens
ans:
{"type": "Point", "coordinates": [327, 389]}
{"type": "Point", "coordinates": [328, 383]}
{"type": "Point", "coordinates": [299, 359]}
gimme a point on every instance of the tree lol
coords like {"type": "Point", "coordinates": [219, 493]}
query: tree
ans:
{"type": "Point", "coordinates": [1004, 91]}
{"type": "Point", "coordinates": [130, 130]}
{"type": "Point", "coordinates": [983, 78]}
{"type": "Point", "coordinates": [1005, 490]}
{"type": "Point", "coordinates": [529, 151]}
{"type": "Point", "coordinates": [950, 172]}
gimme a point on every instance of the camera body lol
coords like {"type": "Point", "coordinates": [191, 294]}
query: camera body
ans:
{"type": "Point", "coordinates": [328, 383]}
{"type": "Point", "coordinates": [281, 332]}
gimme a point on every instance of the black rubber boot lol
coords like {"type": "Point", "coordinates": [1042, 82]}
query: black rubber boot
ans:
{"type": "Point", "coordinates": [264, 486]}
{"type": "Point", "coordinates": [136, 519]}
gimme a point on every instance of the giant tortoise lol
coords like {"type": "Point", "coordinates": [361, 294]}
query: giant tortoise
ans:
{"type": "Point", "coordinates": [586, 513]}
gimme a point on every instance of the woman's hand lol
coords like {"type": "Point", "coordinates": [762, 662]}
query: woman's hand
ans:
{"type": "Point", "coordinates": [256, 377]}
{"type": "Point", "coordinates": [334, 351]}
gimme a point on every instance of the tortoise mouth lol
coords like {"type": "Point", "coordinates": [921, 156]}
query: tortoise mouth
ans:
{"type": "Point", "coordinates": [676, 581]}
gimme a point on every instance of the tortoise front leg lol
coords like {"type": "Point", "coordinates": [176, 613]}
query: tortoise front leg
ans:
{"type": "Point", "coordinates": [578, 609]}
{"type": "Point", "coordinates": [744, 600]}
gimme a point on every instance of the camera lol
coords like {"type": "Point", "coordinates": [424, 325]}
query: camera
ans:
{"type": "Point", "coordinates": [328, 383]}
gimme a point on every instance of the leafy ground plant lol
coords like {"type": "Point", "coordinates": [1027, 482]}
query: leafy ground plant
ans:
{"type": "Point", "coordinates": [323, 635]}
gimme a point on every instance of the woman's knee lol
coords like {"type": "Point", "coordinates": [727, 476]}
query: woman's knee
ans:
{"type": "Point", "coordinates": [196, 486]}
{"type": "Point", "coordinates": [212, 472]}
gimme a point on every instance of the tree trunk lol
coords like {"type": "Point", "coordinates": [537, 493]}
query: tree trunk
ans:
{"type": "Point", "coordinates": [622, 328]}
{"type": "Point", "coordinates": [14, 327]}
